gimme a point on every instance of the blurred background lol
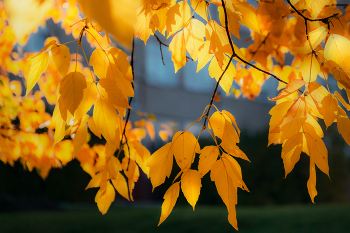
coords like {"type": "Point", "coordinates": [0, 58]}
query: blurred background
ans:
{"type": "Point", "coordinates": [275, 203]}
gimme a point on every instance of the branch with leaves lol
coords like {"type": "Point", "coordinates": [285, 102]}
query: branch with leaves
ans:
{"type": "Point", "coordinates": [315, 35]}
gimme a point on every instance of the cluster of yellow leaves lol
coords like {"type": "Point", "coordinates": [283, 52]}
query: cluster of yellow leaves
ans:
{"type": "Point", "coordinates": [319, 42]}
{"type": "Point", "coordinates": [21, 141]}
{"type": "Point", "coordinates": [224, 169]}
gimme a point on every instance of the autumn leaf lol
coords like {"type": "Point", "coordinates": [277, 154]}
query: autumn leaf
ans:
{"type": "Point", "coordinates": [160, 164]}
{"type": "Point", "coordinates": [105, 199]}
{"type": "Point", "coordinates": [38, 66]}
{"type": "Point", "coordinates": [329, 109]}
{"type": "Point", "coordinates": [106, 119]}
{"type": "Point", "coordinates": [191, 185]}
{"type": "Point", "coordinates": [177, 17]}
{"type": "Point", "coordinates": [72, 90]}
{"type": "Point", "coordinates": [337, 49]}
{"type": "Point", "coordinates": [291, 152]}
{"type": "Point", "coordinates": [61, 57]}
{"type": "Point", "coordinates": [170, 198]}
{"type": "Point", "coordinates": [185, 147]}
{"type": "Point", "coordinates": [208, 155]}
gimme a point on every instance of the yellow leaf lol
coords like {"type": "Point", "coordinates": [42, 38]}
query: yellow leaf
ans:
{"type": "Point", "coordinates": [290, 89]}
{"type": "Point", "coordinates": [201, 8]}
{"type": "Point", "coordinates": [291, 152]}
{"type": "Point", "coordinates": [121, 186]}
{"type": "Point", "coordinates": [109, 89]}
{"type": "Point", "coordinates": [80, 136]}
{"type": "Point", "coordinates": [329, 109]}
{"type": "Point", "coordinates": [316, 6]}
{"type": "Point", "coordinates": [90, 95]}
{"type": "Point", "coordinates": [277, 113]}
{"type": "Point", "coordinates": [207, 157]}
{"type": "Point", "coordinates": [337, 49]}
{"type": "Point", "coordinates": [177, 17]}
{"type": "Point", "coordinates": [93, 127]}
{"type": "Point", "coordinates": [215, 71]}
{"type": "Point", "coordinates": [203, 55]}
{"type": "Point", "coordinates": [114, 16]}
{"type": "Point", "coordinates": [106, 119]}
{"type": "Point", "coordinates": [310, 68]}
{"type": "Point", "coordinates": [311, 183]}
{"type": "Point", "coordinates": [60, 125]}
{"type": "Point", "coordinates": [223, 129]}
{"type": "Point", "coordinates": [232, 119]}
{"type": "Point", "coordinates": [95, 181]}
{"type": "Point", "coordinates": [318, 151]}
{"type": "Point", "coordinates": [25, 16]}
{"type": "Point", "coordinates": [249, 18]}
{"type": "Point", "coordinates": [232, 18]}
{"type": "Point", "coordinates": [315, 37]}
{"type": "Point", "coordinates": [38, 66]}
{"type": "Point", "coordinates": [294, 119]}
{"type": "Point", "coordinates": [226, 189]}
{"type": "Point", "coordinates": [178, 48]}
{"type": "Point", "coordinates": [72, 90]}
{"type": "Point", "coordinates": [160, 164]}
{"type": "Point", "coordinates": [170, 198]}
{"type": "Point", "coordinates": [143, 23]}
{"type": "Point", "coordinates": [185, 147]}
{"type": "Point", "coordinates": [191, 186]}
{"type": "Point", "coordinates": [105, 199]}
{"type": "Point", "coordinates": [342, 77]}
{"type": "Point", "coordinates": [61, 58]}
{"type": "Point", "coordinates": [193, 34]}
{"type": "Point", "coordinates": [112, 63]}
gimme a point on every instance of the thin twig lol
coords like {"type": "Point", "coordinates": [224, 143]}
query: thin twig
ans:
{"type": "Point", "coordinates": [133, 87]}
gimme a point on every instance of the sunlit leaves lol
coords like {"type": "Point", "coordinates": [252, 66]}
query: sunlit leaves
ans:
{"type": "Point", "coordinates": [38, 66]}
{"type": "Point", "coordinates": [177, 17]}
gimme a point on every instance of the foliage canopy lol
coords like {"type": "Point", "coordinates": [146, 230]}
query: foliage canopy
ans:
{"type": "Point", "coordinates": [314, 32]}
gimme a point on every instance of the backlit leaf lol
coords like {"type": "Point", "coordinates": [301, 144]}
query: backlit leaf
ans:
{"type": "Point", "coordinates": [61, 57]}
{"type": "Point", "coordinates": [72, 90]}
{"type": "Point", "coordinates": [106, 119]}
{"type": "Point", "coordinates": [38, 66]}
{"type": "Point", "coordinates": [329, 109]}
{"type": "Point", "coordinates": [337, 49]}
{"type": "Point", "coordinates": [207, 157]}
{"type": "Point", "coordinates": [191, 186]}
{"type": "Point", "coordinates": [185, 147]}
{"type": "Point", "coordinates": [170, 198]}
{"type": "Point", "coordinates": [160, 164]}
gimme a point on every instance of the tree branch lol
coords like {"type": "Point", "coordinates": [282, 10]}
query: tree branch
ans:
{"type": "Point", "coordinates": [130, 99]}
{"type": "Point", "coordinates": [233, 49]}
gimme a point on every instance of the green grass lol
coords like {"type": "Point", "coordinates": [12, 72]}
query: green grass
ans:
{"type": "Point", "coordinates": [307, 218]}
